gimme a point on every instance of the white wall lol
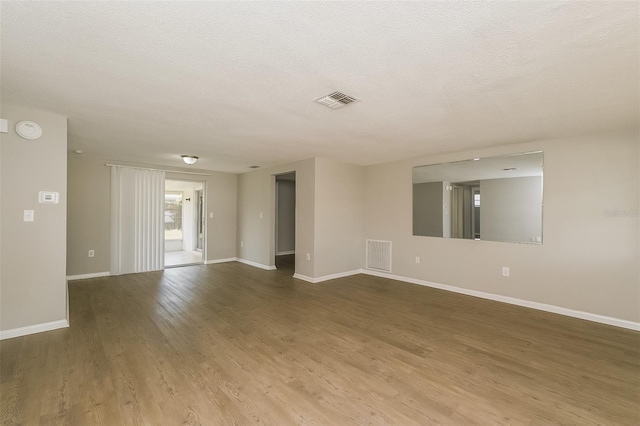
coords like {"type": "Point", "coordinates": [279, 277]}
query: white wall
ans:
{"type": "Point", "coordinates": [329, 202]}
{"type": "Point", "coordinates": [221, 204]}
{"type": "Point", "coordinates": [511, 209]}
{"type": "Point", "coordinates": [89, 223]}
{"type": "Point", "coordinates": [256, 196]}
{"type": "Point", "coordinates": [588, 261]}
{"type": "Point", "coordinates": [339, 203]}
{"type": "Point", "coordinates": [173, 245]}
{"type": "Point", "coordinates": [286, 213]}
{"type": "Point", "coordinates": [33, 282]}
{"type": "Point", "coordinates": [88, 215]}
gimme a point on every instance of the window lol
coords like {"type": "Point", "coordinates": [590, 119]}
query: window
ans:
{"type": "Point", "coordinates": [173, 216]}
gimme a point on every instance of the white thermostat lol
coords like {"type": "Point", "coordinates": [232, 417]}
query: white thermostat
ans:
{"type": "Point", "coordinates": [48, 197]}
{"type": "Point", "coordinates": [28, 130]}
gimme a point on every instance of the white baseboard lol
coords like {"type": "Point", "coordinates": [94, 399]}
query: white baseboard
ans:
{"type": "Point", "coordinates": [33, 329]}
{"type": "Point", "coordinates": [327, 277]}
{"type": "Point", "coordinates": [303, 278]}
{"type": "Point", "coordinates": [617, 322]}
{"type": "Point", "coordinates": [228, 259]}
{"type": "Point", "coordinates": [256, 264]}
{"type": "Point", "coordinates": [282, 253]}
{"type": "Point", "coordinates": [86, 276]}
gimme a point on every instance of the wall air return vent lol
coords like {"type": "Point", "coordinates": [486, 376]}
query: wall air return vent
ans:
{"type": "Point", "coordinates": [379, 255]}
{"type": "Point", "coordinates": [336, 100]}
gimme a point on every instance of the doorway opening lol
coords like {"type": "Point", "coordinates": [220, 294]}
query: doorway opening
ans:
{"type": "Point", "coordinates": [465, 210]}
{"type": "Point", "coordinates": [184, 224]}
{"type": "Point", "coordinates": [285, 222]}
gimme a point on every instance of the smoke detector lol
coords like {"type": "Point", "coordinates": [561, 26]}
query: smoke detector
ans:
{"type": "Point", "coordinates": [336, 100]}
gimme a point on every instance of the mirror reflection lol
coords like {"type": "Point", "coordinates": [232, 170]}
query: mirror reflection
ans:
{"type": "Point", "coordinates": [492, 199]}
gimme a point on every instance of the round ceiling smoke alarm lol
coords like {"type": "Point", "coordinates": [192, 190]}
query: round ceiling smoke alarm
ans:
{"type": "Point", "coordinates": [28, 130]}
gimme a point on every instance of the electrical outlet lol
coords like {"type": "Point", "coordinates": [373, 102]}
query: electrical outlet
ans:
{"type": "Point", "coordinates": [505, 271]}
{"type": "Point", "coordinates": [417, 259]}
{"type": "Point", "coordinates": [308, 256]}
{"type": "Point", "coordinates": [92, 253]}
{"type": "Point", "coordinates": [210, 215]}
{"type": "Point", "coordinates": [241, 243]}
{"type": "Point", "coordinates": [260, 215]}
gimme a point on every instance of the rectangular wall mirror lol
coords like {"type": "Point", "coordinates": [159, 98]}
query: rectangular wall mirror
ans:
{"type": "Point", "coordinates": [491, 199]}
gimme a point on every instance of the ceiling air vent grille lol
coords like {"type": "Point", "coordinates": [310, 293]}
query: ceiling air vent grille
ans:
{"type": "Point", "coordinates": [336, 100]}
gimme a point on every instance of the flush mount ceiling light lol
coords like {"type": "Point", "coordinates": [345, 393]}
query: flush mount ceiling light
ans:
{"type": "Point", "coordinates": [189, 159]}
{"type": "Point", "coordinates": [336, 100]}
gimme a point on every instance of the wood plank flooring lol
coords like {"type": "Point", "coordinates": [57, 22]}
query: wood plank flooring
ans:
{"type": "Point", "coordinates": [231, 344]}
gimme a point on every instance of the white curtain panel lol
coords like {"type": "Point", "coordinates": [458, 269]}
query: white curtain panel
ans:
{"type": "Point", "coordinates": [137, 220]}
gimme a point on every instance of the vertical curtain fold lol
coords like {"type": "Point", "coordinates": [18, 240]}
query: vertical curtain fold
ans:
{"type": "Point", "coordinates": [137, 220]}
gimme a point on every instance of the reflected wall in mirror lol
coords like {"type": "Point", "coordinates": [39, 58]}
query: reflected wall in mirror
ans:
{"type": "Point", "coordinates": [492, 199]}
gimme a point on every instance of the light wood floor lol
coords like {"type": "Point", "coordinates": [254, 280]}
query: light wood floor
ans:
{"type": "Point", "coordinates": [228, 343]}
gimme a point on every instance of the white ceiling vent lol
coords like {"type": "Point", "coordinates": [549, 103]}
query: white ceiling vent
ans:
{"type": "Point", "coordinates": [336, 100]}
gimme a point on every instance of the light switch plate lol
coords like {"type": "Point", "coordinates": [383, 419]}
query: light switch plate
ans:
{"type": "Point", "coordinates": [28, 216]}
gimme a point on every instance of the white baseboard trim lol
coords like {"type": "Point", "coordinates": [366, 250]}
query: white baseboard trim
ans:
{"type": "Point", "coordinates": [86, 276]}
{"type": "Point", "coordinates": [282, 253]}
{"type": "Point", "coordinates": [617, 322]}
{"type": "Point", "coordinates": [303, 278]}
{"type": "Point", "coordinates": [228, 259]}
{"type": "Point", "coordinates": [33, 329]}
{"type": "Point", "coordinates": [256, 264]}
{"type": "Point", "coordinates": [327, 277]}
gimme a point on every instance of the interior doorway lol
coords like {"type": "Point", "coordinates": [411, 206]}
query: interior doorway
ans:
{"type": "Point", "coordinates": [184, 224]}
{"type": "Point", "coordinates": [465, 210]}
{"type": "Point", "coordinates": [285, 222]}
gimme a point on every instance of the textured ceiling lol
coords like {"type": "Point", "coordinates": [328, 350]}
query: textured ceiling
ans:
{"type": "Point", "coordinates": [234, 82]}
